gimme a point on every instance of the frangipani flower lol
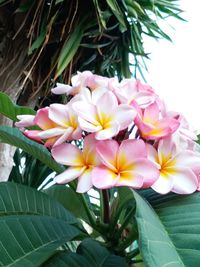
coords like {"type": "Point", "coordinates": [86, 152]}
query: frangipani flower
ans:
{"type": "Point", "coordinates": [58, 124]}
{"type": "Point", "coordinates": [123, 165]}
{"type": "Point", "coordinates": [129, 90]}
{"type": "Point", "coordinates": [152, 127]}
{"type": "Point", "coordinates": [178, 171]}
{"type": "Point", "coordinates": [81, 163]}
{"type": "Point", "coordinates": [106, 118]}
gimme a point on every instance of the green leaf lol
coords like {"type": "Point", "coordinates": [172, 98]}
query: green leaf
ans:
{"type": "Point", "coordinates": [67, 259]}
{"type": "Point", "coordinates": [70, 48]}
{"type": "Point", "coordinates": [117, 13]}
{"type": "Point", "coordinates": [157, 245]}
{"type": "Point", "coordinates": [16, 199]}
{"type": "Point", "coordinates": [99, 256]}
{"type": "Point", "coordinates": [14, 137]}
{"type": "Point", "coordinates": [11, 110]}
{"type": "Point", "coordinates": [30, 240]}
{"type": "Point", "coordinates": [69, 199]}
{"type": "Point", "coordinates": [180, 215]}
{"type": "Point", "coordinates": [32, 226]}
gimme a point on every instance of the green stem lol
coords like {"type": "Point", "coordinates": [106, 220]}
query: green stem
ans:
{"type": "Point", "coordinates": [125, 222]}
{"type": "Point", "coordinates": [133, 253]}
{"type": "Point", "coordinates": [129, 240]}
{"type": "Point", "coordinates": [90, 214]}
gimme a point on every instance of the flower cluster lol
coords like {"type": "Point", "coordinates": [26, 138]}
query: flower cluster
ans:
{"type": "Point", "coordinates": [129, 137]}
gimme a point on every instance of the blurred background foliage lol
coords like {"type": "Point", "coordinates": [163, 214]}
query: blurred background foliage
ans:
{"type": "Point", "coordinates": [60, 37]}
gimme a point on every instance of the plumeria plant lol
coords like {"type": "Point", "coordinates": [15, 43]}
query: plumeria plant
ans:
{"type": "Point", "coordinates": [129, 186]}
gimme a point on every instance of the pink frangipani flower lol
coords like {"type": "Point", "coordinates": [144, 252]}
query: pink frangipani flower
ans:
{"type": "Point", "coordinates": [154, 127]}
{"type": "Point", "coordinates": [80, 163]}
{"type": "Point", "coordinates": [105, 118]}
{"type": "Point", "coordinates": [58, 123]}
{"type": "Point", "coordinates": [178, 171]}
{"type": "Point", "coordinates": [123, 165]}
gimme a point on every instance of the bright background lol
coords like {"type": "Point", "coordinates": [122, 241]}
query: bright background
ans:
{"type": "Point", "coordinates": [174, 70]}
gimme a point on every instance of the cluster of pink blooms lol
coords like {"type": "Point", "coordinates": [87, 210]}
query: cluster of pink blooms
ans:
{"type": "Point", "coordinates": [129, 138]}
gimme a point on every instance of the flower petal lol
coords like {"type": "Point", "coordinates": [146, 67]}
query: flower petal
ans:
{"type": "Point", "coordinates": [42, 119]}
{"type": "Point", "coordinates": [67, 154]}
{"type": "Point", "coordinates": [125, 115]}
{"type": "Point", "coordinates": [103, 178]}
{"type": "Point", "coordinates": [131, 179]}
{"type": "Point", "coordinates": [129, 151]}
{"type": "Point", "coordinates": [106, 103]}
{"type": "Point", "coordinates": [86, 111]}
{"type": "Point", "coordinates": [107, 151]}
{"type": "Point", "coordinates": [51, 133]}
{"type": "Point", "coordinates": [185, 181]}
{"type": "Point", "coordinates": [59, 114]}
{"type": "Point", "coordinates": [61, 89]}
{"type": "Point", "coordinates": [108, 132]}
{"type": "Point", "coordinates": [151, 113]}
{"type": "Point", "coordinates": [63, 138]}
{"type": "Point", "coordinates": [85, 181]}
{"type": "Point", "coordinates": [69, 175]}
{"type": "Point", "coordinates": [163, 184]}
{"type": "Point", "coordinates": [88, 127]}
{"type": "Point", "coordinates": [189, 159]}
{"type": "Point", "coordinates": [25, 121]}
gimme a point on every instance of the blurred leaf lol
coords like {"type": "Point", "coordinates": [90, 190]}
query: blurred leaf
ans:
{"type": "Point", "coordinates": [11, 110]}
{"type": "Point", "coordinates": [70, 48]}
{"type": "Point", "coordinates": [117, 13]}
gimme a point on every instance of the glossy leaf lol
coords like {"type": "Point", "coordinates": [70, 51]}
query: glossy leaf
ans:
{"type": "Point", "coordinates": [11, 110]}
{"type": "Point", "coordinates": [32, 226]}
{"type": "Point", "coordinates": [14, 137]}
{"type": "Point", "coordinates": [69, 199]}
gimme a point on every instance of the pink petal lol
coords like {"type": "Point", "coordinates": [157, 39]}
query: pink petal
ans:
{"type": "Point", "coordinates": [67, 154]}
{"type": "Point", "coordinates": [69, 175]}
{"type": "Point", "coordinates": [77, 133]}
{"type": "Point", "coordinates": [125, 115]}
{"type": "Point", "coordinates": [166, 149]}
{"type": "Point", "coordinates": [86, 111]}
{"type": "Point", "coordinates": [33, 134]}
{"type": "Point", "coordinates": [63, 138]}
{"type": "Point", "coordinates": [151, 113]}
{"type": "Point", "coordinates": [103, 178]}
{"type": "Point", "coordinates": [148, 170]}
{"type": "Point", "coordinates": [185, 181]}
{"type": "Point", "coordinates": [59, 114]}
{"type": "Point", "coordinates": [109, 132]}
{"type": "Point", "coordinates": [42, 119]}
{"type": "Point", "coordinates": [89, 150]}
{"type": "Point", "coordinates": [61, 89]}
{"type": "Point", "coordinates": [163, 184]}
{"type": "Point", "coordinates": [151, 153]}
{"type": "Point", "coordinates": [85, 181]}
{"type": "Point", "coordinates": [88, 127]}
{"type": "Point", "coordinates": [129, 151]}
{"type": "Point", "coordinates": [107, 151]}
{"type": "Point", "coordinates": [131, 179]}
{"type": "Point", "coordinates": [106, 103]}
{"type": "Point", "coordinates": [51, 133]}
{"type": "Point", "coordinates": [188, 159]}
{"type": "Point", "coordinates": [25, 121]}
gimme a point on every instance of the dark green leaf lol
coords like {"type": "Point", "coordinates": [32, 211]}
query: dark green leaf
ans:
{"type": "Point", "coordinates": [14, 137]}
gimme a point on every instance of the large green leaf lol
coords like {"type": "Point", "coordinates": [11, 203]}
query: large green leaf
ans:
{"type": "Point", "coordinates": [69, 199]}
{"type": "Point", "coordinates": [169, 234]}
{"type": "Point", "coordinates": [30, 240]}
{"type": "Point", "coordinates": [99, 256]}
{"type": "Point", "coordinates": [32, 226]}
{"type": "Point", "coordinates": [11, 110]}
{"type": "Point", "coordinates": [14, 137]}
{"type": "Point", "coordinates": [180, 215]}
{"type": "Point", "coordinates": [67, 259]}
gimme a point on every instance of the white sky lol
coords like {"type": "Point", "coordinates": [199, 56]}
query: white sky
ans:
{"type": "Point", "coordinates": [174, 70]}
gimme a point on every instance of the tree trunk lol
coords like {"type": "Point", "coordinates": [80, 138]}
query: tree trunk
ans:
{"type": "Point", "coordinates": [13, 54]}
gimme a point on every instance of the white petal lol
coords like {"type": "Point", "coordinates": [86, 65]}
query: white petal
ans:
{"type": "Point", "coordinates": [69, 175]}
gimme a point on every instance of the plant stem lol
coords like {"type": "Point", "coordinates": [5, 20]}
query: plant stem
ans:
{"type": "Point", "coordinates": [106, 207]}
{"type": "Point", "coordinates": [90, 214]}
